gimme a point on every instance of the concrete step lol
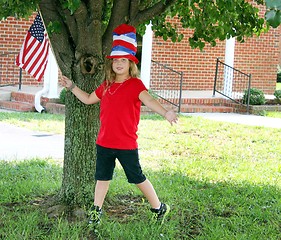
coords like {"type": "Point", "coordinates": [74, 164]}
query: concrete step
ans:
{"type": "Point", "coordinates": [25, 102]}
{"type": "Point", "coordinates": [199, 101]}
{"type": "Point", "coordinates": [55, 108]}
{"type": "Point", "coordinates": [205, 109]}
{"type": "Point", "coordinates": [23, 97]}
{"type": "Point", "coordinates": [206, 101]}
{"type": "Point", "coordinates": [6, 96]}
{"type": "Point", "coordinates": [20, 101]}
{"type": "Point", "coordinates": [17, 106]}
{"type": "Point", "coordinates": [190, 108]}
{"type": "Point", "coordinates": [59, 109]}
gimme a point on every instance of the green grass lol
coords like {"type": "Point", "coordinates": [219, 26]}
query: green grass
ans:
{"type": "Point", "coordinates": [35, 121]}
{"type": "Point", "coordinates": [222, 180]}
{"type": "Point", "coordinates": [22, 181]}
{"type": "Point", "coordinates": [278, 86]}
{"type": "Point", "coordinates": [273, 114]}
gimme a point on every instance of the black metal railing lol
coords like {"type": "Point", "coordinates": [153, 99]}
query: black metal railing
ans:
{"type": "Point", "coordinates": [166, 83]}
{"type": "Point", "coordinates": [10, 74]}
{"type": "Point", "coordinates": [232, 83]}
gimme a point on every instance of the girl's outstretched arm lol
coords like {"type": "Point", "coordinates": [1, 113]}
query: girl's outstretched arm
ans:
{"type": "Point", "coordinates": [155, 106]}
{"type": "Point", "coordinates": [80, 94]}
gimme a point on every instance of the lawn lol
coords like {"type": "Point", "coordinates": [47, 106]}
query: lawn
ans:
{"type": "Point", "coordinates": [273, 114]}
{"type": "Point", "coordinates": [222, 180]}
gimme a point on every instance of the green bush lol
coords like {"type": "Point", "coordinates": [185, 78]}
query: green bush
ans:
{"type": "Point", "coordinates": [278, 77]}
{"type": "Point", "coordinates": [278, 74]}
{"type": "Point", "coordinates": [256, 97]}
{"type": "Point", "coordinates": [277, 94]}
{"type": "Point", "coordinates": [62, 96]}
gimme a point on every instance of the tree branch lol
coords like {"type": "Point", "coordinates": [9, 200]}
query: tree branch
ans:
{"type": "Point", "coordinates": [50, 13]}
{"type": "Point", "coordinates": [119, 15]}
{"type": "Point", "coordinates": [95, 22]}
{"type": "Point", "coordinates": [96, 8]}
{"type": "Point", "coordinates": [149, 13]}
{"type": "Point", "coordinates": [80, 16]}
{"type": "Point", "coordinates": [134, 8]}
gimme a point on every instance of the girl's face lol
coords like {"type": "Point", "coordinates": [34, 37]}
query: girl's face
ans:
{"type": "Point", "coordinates": [121, 66]}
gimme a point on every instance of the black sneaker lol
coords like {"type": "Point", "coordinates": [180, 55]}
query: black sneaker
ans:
{"type": "Point", "coordinates": [160, 214]}
{"type": "Point", "coordinates": [95, 215]}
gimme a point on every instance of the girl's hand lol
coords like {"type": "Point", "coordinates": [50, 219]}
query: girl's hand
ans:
{"type": "Point", "coordinates": [171, 116]}
{"type": "Point", "coordinates": [67, 83]}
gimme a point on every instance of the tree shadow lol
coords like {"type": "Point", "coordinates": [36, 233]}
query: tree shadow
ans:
{"type": "Point", "coordinates": [200, 208]}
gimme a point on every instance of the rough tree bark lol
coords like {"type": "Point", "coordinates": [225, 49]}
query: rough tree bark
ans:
{"type": "Point", "coordinates": [81, 59]}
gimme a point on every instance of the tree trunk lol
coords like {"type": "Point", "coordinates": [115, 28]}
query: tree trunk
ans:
{"type": "Point", "coordinates": [78, 48]}
{"type": "Point", "coordinates": [81, 128]}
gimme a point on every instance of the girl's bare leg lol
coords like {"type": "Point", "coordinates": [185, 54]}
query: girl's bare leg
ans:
{"type": "Point", "coordinates": [149, 192]}
{"type": "Point", "coordinates": [101, 190]}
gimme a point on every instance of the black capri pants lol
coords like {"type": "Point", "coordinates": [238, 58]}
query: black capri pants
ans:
{"type": "Point", "coordinates": [129, 160]}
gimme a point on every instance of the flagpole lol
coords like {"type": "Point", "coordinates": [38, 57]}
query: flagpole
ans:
{"type": "Point", "coordinates": [39, 12]}
{"type": "Point", "coordinates": [50, 86]}
{"type": "Point", "coordinates": [20, 79]}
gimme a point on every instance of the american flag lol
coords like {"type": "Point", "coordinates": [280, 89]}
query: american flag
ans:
{"type": "Point", "coordinates": [33, 56]}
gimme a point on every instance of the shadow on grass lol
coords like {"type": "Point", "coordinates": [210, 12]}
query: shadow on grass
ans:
{"type": "Point", "coordinates": [200, 209]}
{"type": "Point", "coordinates": [203, 209]}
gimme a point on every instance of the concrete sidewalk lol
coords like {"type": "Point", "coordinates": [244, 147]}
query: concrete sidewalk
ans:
{"type": "Point", "coordinates": [20, 143]}
{"type": "Point", "coordinates": [246, 119]}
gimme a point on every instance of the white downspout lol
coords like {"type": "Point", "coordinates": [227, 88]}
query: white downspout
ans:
{"type": "Point", "coordinates": [50, 88]}
{"type": "Point", "coordinates": [229, 60]}
{"type": "Point", "coordinates": [146, 55]}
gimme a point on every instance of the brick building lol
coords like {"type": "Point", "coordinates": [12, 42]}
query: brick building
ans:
{"type": "Point", "coordinates": [258, 56]}
{"type": "Point", "coordinates": [12, 34]}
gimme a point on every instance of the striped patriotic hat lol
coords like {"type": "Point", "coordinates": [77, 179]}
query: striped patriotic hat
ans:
{"type": "Point", "coordinates": [124, 43]}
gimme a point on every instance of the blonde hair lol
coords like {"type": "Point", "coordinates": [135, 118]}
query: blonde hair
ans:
{"type": "Point", "coordinates": [111, 75]}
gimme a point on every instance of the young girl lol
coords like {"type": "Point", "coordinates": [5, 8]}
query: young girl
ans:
{"type": "Point", "coordinates": [120, 98]}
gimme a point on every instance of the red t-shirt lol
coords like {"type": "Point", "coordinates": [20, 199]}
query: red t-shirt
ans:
{"type": "Point", "coordinates": [119, 114]}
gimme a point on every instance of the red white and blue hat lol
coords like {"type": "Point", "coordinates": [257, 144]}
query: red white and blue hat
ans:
{"type": "Point", "coordinates": [124, 43]}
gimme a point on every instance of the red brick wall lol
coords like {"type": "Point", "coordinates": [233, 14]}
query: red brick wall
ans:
{"type": "Point", "coordinates": [258, 56]}
{"type": "Point", "coordinates": [12, 33]}
{"type": "Point", "coordinates": [198, 67]}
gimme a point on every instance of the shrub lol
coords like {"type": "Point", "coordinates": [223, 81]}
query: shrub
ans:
{"type": "Point", "coordinates": [279, 77]}
{"type": "Point", "coordinates": [62, 96]}
{"type": "Point", "coordinates": [277, 94]}
{"type": "Point", "coordinates": [278, 73]}
{"type": "Point", "coordinates": [256, 97]}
